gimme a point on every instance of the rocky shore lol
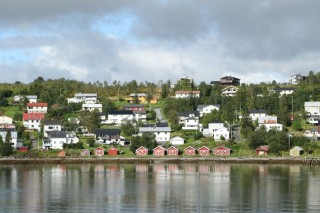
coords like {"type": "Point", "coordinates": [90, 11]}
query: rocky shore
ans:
{"type": "Point", "coordinates": [152, 160]}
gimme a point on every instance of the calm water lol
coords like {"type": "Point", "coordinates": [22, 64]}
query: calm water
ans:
{"type": "Point", "coordinates": [159, 188]}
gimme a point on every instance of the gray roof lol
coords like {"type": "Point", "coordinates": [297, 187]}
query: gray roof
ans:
{"type": "Point", "coordinates": [58, 134]}
{"type": "Point", "coordinates": [52, 122]}
{"type": "Point", "coordinates": [257, 111]}
{"type": "Point", "coordinates": [201, 106]}
{"type": "Point", "coordinates": [154, 129]}
{"type": "Point", "coordinates": [120, 112]}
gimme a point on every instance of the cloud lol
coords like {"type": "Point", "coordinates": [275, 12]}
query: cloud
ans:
{"type": "Point", "coordinates": [158, 40]}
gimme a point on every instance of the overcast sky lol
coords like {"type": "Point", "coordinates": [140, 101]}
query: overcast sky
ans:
{"type": "Point", "coordinates": [153, 40]}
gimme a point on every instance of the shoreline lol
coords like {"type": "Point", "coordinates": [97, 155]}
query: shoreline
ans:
{"type": "Point", "coordinates": [154, 160]}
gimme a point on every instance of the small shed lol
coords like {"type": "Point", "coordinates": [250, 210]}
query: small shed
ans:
{"type": "Point", "coordinates": [99, 151]}
{"type": "Point", "coordinates": [85, 152]}
{"type": "Point", "coordinates": [296, 151]}
{"type": "Point", "coordinates": [190, 150]}
{"type": "Point", "coordinates": [142, 151]}
{"type": "Point", "coordinates": [221, 150]}
{"type": "Point", "coordinates": [172, 151]}
{"type": "Point", "coordinates": [158, 151]}
{"type": "Point", "coordinates": [23, 149]}
{"type": "Point", "coordinates": [112, 151]}
{"type": "Point", "coordinates": [62, 153]}
{"type": "Point", "coordinates": [204, 151]}
{"type": "Point", "coordinates": [262, 150]}
{"type": "Point", "coordinates": [177, 141]}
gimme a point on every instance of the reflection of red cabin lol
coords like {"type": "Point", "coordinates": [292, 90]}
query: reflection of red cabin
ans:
{"type": "Point", "coordinates": [62, 153]}
{"type": "Point", "coordinates": [190, 150]}
{"type": "Point", "coordinates": [99, 151]}
{"type": "Point", "coordinates": [262, 150]}
{"type": "Point", "coordinates": [221, 150]}
{"type": "Point", "coordinates": [142, 151]}
{"type": "Point", "coordinates": [158, 151]}
{"type": "Point", "coordinates": [172, 151]}
{"type": "Point", "coordinates": [204, 151]}
{"type": "Point", "coordinates": [112, 151]}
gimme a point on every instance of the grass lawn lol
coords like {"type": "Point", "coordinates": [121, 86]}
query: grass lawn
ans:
{"type": "Point", "coordinates": [10, 110]}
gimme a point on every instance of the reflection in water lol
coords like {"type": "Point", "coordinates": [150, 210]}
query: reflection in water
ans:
{"type": "Point", "coordinates": [206, 187]}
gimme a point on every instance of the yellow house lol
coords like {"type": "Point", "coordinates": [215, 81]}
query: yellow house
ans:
{"type": "Point", "coordinates": [296, 151]}
{"type": "Point", "coordinates": [142, 97]}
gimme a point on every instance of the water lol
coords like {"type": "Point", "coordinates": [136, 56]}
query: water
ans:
{"type": "Point", "coordinates": [159, 188]}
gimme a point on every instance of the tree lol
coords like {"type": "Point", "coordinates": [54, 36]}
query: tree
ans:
{"type": "Point", "coordinates": [147, 140]}
{"type": "Point", "coordinates": [257, 138]}
{"type": "Point", "coordinates": [164, 91]}
{"type": "Point", "coordinates": [90, 120]}
{"type": "Point", "coordinates": [127, 129]}
{"type": "Point", "coordinates": [5, 147]}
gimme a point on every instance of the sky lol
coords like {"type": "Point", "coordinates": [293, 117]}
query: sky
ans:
{"type": "Point", "coordinates": [158, 40]}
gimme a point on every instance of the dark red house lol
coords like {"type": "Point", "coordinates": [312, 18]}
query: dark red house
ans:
{"type": "Point", "coordinates": [172, 151]}
{"type": "Point", "coordinates": [112, 151]}
{"type": "Point", "coordinates": [262, 150]}
{"type": "Point", "coordinates": [221, 150]}
{"type": "Point", "coordinates": [142, 151]}
{"type": "Point", "coordinates": [99, 151]}
{"type": "Point", "coordinates": [204, 151]}
{"type": "Point", "coordinates": [159, 151]}
{"type": "Point", "coordinates": [190, 150]}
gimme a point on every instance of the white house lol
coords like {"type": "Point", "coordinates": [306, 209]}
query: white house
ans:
{"type": "Point", "coordinates": [92, 107]}
{"type": "Point", "coordinates": [277, 127]}
{"type": "Point", "coordinates": [296, 79]}
{"type": "Point", "coordinates": [207, 109]}
{"type": "Point", "coordinates": [119, 117]}
{"type": "Point", "coordinates": [267, 119]}
{"type": "Point", "coordinates": [32, 120]}
{"type": "Point", "coordinates": [229, 91]}
{"type": "Point", "coordinates": [176, 141]}
{"type": "Point", "coordinates": [140, 115]}
{"type": "Point", "coordinates": [191, 123]}
{"type": "Point", "coordinates": [88, 98]}
{"type": "Point", "coordinates": [282, 91]}
{"type": "Point", "coordinates": [256, 114]}
{"type": "Point", "coordinates": [56, 139]}
{"type": "Point", "coordinates": [182, 116]}
{"type": "Point", "coordinates": [37, 107]}
{"type": "Point", "coordinates": [312, 108]}
{"type": "Point", "coordinates": [187, 94]}
{"type": "Point", "coordinates": [32, 98]}
{"type": "Point", "coordinates": [51, 125]}
{"type": "Point", "coordinates": [14, 135]}
{"type": "Point", "coordinates": [5, 120]}
{"type": "Point", "coordinates": [217, 130]}
{"type": "Point", "coordinates": [162, 133]}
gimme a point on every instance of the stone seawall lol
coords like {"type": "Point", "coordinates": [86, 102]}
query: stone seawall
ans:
{"type": "Point", "coordinates": [135, 160]}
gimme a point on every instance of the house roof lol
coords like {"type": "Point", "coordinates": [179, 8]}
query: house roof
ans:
{"type": "Point", "coordinates": [203, 147]}
{"type": "Point", "coordinates": [92, 105]}
{"type": "Point", "coordinates": [283, 89]}
{"type": "Point", "coordinates": [257, 111]}
{"type": "Point", "coordinates": [154, 129]}
{"type": "Point", "coordinates": [85, 95]}
{"type": "Point", "coordinates": [138, 95]}
{"type": "Point", "coordinates": [31, 96]}
{"type": "Point", "coordinates": [263, 148]}
{"type": "Point", "coordinates": [226, 88]}
{"type": "Point", "coordinates": [33, 116]}
{"type": "Point", "coordinates": [216, 122]}
{"type": "Point", "coordinates": [37, 104]}
{"type": "Point", "coordinates": [107, 131]}
{"type": "Point", "coordinates": [230, 78]}
{"type": "Point", "coordinates": [221, 147]}
{"type": "Point", "coordinates": [52, 122]}
{"type": "Point", "coordinates": [177, 138]}
{"type": "Point", "coordinates": [141, 147]}
{"type": "Point", "coordinates": [134, 106]}
{"type": "Point", "coordinates": [187, 92]}
{"type": "Point", "coordinates": [188, 113]}
{"type": "Point", "coordinates": [99, 148]}
{"type": "Point", "coordinates": [159, 147]}
{"type": "Point", "coordinates": [158, 124]}
{"type": "Point", "coordinates": [298, 148]}
{"type": "Point", "coordinates": [57, 134]}
{"type": "Point", "coordinates": [172, 147]}
{"type": "Point", "coordinates": [204, 106]}
{"type": "Point", "coordinates": [190, 147]}
{"type": "Point", "coordinates": [121, 112]}
{"type": "Point", "coordinates": [141, 112]}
